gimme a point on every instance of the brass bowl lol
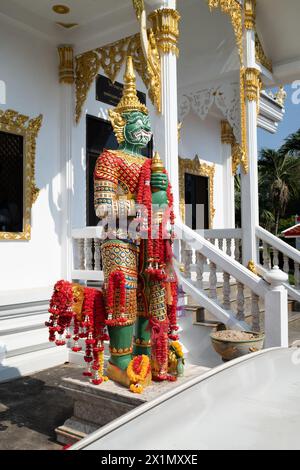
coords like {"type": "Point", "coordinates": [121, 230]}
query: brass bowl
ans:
{"type": "Point", "coordinates": [230, 349]}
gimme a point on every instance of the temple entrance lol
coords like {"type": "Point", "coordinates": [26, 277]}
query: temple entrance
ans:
{"type": "Point", "coordinates": [99, 135]}
{"type": "Point", "coordinates": [197, 197]}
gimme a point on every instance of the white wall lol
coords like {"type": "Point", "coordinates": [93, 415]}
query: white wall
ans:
{"type": "Point", "coordinates": [29, 68]}
{"type": "Point", "coordinates": [203, 138]}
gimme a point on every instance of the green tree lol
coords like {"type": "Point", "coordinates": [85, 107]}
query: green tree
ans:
{"type": "Point", "coordinates": [291, 145]}
{"type": "Point", "coordinates": [279, 176]}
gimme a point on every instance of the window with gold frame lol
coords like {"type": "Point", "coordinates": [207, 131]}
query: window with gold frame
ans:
{"type": "Point", "coordinates": [18, 134]}
{"type": "Point", "coordinates": [199, 168]}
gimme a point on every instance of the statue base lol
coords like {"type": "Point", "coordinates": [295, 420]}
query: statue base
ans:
{"type": "Point", "coordinates": [97, 405]}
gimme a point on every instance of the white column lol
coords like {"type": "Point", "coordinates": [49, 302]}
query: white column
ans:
{"type": "Point", "coordinates": [166, 125]}
{"type": "Point", "coordinates": [66, 174]}
{"type": "Point", "coordinates": [276, 310]}
{"type": "Point", "coordinates": [249, 181]}
{"type": "Point", "coordinates": [227, 139]}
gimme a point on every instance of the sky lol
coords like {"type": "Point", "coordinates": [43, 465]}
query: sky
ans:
{"type": "Point", "coordinates": [290, 123]}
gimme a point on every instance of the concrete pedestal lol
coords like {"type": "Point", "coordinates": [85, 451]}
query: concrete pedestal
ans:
{"type": "Point", "coordinates": [98, 405]}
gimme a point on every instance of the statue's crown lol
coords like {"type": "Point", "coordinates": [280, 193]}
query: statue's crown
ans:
{"type": "Point", "coordinates": [130, 101]}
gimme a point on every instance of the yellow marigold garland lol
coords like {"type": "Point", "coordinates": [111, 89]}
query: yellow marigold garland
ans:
{"type": "Point", "coordinates": [144, 365]}
{"type": "Point", "coordinates": [177, 348]}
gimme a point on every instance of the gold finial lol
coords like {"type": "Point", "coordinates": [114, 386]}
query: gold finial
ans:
{"type": "Point", "coordinates": [129, 101]}
{"type": "Point", "coordinates": [157, 165]}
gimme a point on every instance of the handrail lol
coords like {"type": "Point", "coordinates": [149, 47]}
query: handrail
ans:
{"type": "Point", "coordinates": [221, 233]}
{"type": "Point", "coordinates": [222, 260]}
{"type": "Point", "coordinates": [275, 242]}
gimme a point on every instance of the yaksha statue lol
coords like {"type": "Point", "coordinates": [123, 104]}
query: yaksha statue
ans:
{"type": "Point", "coordinates": [140, 285]}
{"type": "Point", "coordinates": [138, 304]}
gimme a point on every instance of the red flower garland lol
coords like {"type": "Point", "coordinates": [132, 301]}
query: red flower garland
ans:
{"type": "Point", "coordinates": [116, 281]}
{"type": "Point", "coordinates": [61, 311]}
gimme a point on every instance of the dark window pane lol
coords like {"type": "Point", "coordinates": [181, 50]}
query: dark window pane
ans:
{"type": "Point", "coordinates": [11, 182]}
{"type": "Point", "coordinates": [196, 196]}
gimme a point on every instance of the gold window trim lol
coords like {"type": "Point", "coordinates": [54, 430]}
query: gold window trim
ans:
{"type": "Point", "coordinates": [198, 168]}
{"type": "Point", "coordinates": [14, 123]}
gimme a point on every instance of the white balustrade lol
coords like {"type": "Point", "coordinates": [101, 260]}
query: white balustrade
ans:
{"type": "Point", "coordinates": [259, 291]}
{"type": "Point", "coordinates": [276, 252]}
{"type": "Point", "coordinates": [227, 240]}
{"type": "Point", "coordinates": [86, 254]}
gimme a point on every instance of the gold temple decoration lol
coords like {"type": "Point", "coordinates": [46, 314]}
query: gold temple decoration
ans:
{"type": "Point", "coordinates": [253, 84]}
{"type": "Point", "coordinates": [235, 10]}
{"type": "Point", "coordinates": [14, 123]}
{"type": "Point", "coordinates": [227, 136]}
{"type": "Point", "coordinates": [139, 7]}
{"type": "Point", "coordinates": [199, 168]}
{"type": "Point", "coordinates": [281, 96]}
{"type": "Point", "coordinates": [111, 58]}
{"type": "Point", "coordinates": [61, 9]}
{"type": "Point", "coordinates": [165, 25]}
{"type": "Point", "coordinates": [260, 55]}
{"type": "Point", "coordinates": [251, 266]}
{"type": "Point", "coordinates": [66, 64]}
{"type": "Point", "coordinates": [67, 25]}
{"type": "Point", "coordinates": [250, 14]}
{"type": "Point", "coordinates": [237, 155]}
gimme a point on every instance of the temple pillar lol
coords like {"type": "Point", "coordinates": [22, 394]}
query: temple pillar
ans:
{"type": "Point", "coordinates": [249, 180]}
{"type": "Point", "coordinates": [66, 79]}
{"type": "Point", "coordinates": [228, 140]}
{"type": "Point", "coordinates": [165, 23]}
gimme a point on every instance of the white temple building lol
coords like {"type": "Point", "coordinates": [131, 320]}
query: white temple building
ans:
{"type": "Point", "coordinates": [204, 70]}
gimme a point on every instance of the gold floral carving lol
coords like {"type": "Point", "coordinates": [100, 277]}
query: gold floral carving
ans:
{"type": "Point", "coordinates": [18, 124]}
{"type": "Point", "coordinates": [227, 136]}
{"type": "Point", "coordinates": [199, 168]}
{"type": "Point", "coordinates": [234, 9]}
{"type": "Point", "coordinates": [66, 64]}
{"type": "Point", "coordinates": [240, 153]}
{"type": "Point", "coordinates": [165, 24]}
{"type": "Point", "coordinates": [260, 55]}
{"type": "Point", "coordinates": [111, 58]}
{"type": "Point", "coordinates": [250, 14]}
{"type": "Point", "coordinates": [252, 84]}
{"type": "Point", "coordinates": [237, 154]}
{"type": "Point", "coordinates": [139, 7]}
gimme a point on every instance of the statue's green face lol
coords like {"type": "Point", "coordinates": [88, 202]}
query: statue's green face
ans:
{"type": "Point", "coordinates": [137, 129]}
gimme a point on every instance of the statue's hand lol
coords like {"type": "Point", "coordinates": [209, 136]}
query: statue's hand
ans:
{"type": "Point", "coordinates": [160, 199]}
{"type": "Point", "coordinates": [159, 181]}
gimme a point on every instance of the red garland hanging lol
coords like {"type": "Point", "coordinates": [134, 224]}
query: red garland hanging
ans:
{"type": "Point", "coordinates": [116, 281]}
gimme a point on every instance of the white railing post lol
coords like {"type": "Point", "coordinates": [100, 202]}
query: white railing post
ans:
{"type": "Point", "coordinates": [276, 310]}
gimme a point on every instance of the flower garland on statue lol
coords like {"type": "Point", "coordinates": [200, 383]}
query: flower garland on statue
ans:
{"type": "Point", "coordinates": [61, 312]}
{"type": "Point", "coordinates": [85, 306]}
{"type": "Point", "coordinates": [137, 371]}
{"type": "Point", "coordinates": [116, 281]}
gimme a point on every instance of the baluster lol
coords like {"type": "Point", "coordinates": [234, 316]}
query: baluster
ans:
{"type": "Point", "coordinates": [255, 312]}
{"type": "Point", "coordinates": [88, 253]}
{"type": "Point", "coordinates": [97, 245]}
{"type": "Point", "coordinates": [212, 280]}
{"type": "Point", "coordinates": [286, 266]}
{"type": "Point", "coordinates": [226, 291]}
{"type": "Point", "coordinates": [221, 244]}
{"type": "Point", "coordinates": [200, 263]}
{"type": "Point", "coordinates": [228, 247]}
{"type": "Point", "coordinates": [187, 259]}
{"type": "Point", "coordinates": [237, 250]}
{"type": "Point", "coordinates": [240, 302]}
{"type": "Point", "coordinates": [275, 257]}
{"type": "Point", "coordinates": [297, 276]}
{"type": "Point", "coordinates": [80, 243]}
{"type": "Point", "coordinates": [266, 255]}
{"type": "Point", "coordinates": [213, 241]}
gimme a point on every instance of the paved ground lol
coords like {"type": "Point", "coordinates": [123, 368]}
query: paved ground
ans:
{"type": "Point", "coordinates": [32, 407]}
